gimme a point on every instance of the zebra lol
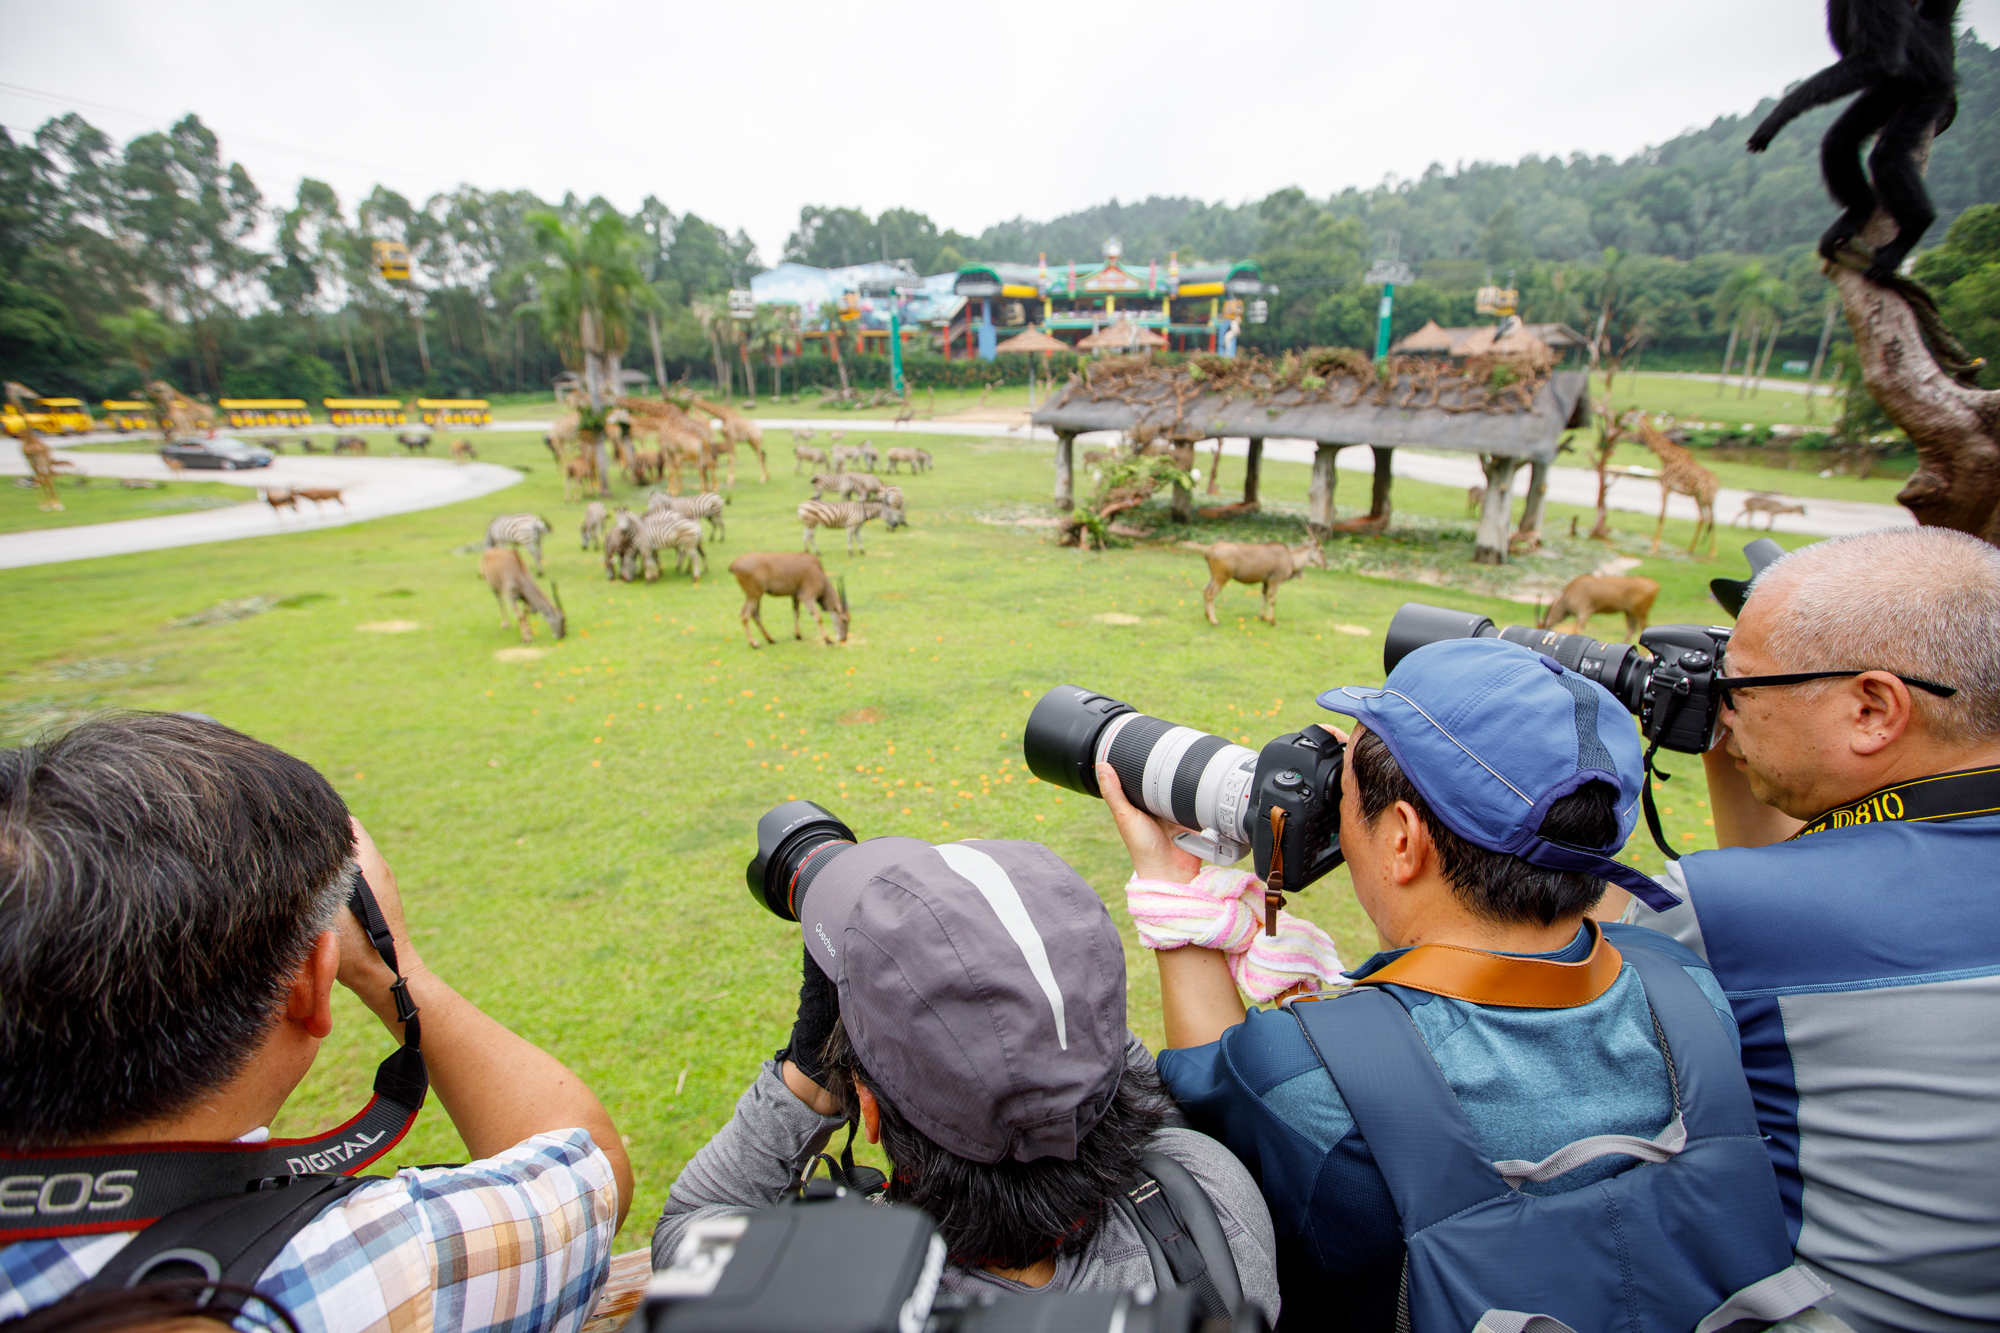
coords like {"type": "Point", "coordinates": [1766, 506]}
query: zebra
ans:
{"type": "Point", "coordinates": [842, 455]}
{"type": "Point", "coordinates": [865, 451]}
{"type": "Point", "coordinates": [849, 514]}
{"type": "Point", "coordinates": [663, 528]}
{"type": "Point", "coordinates": [621, 544]}
{"type": "Point", "coordinates": [918, 459]}
{"type": "Point", "coordinates": [519, 530]}
{"type": "Point", "coordinates": [822, 482]}
{"type": "Point", "coordinates": [865, 484]}
{"type": "Point", "coordinates": [892, 496]}
{"type": "Point", "coordinates": [806, 453]}
{"type": "Point", "coordinates": [594, 518]}
{"type": "Point", "coordinates": [707, 505]}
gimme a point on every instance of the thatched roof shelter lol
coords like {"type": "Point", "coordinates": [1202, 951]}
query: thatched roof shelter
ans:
{"type": "Point", "coordinates": [1122, 336]}
{"type": "Point", "coordinates": [1034, 340]}
{"type": "Point", "coordinates": [1507, 409]}
{"type": "Point", "coordinates": [1429, 338]}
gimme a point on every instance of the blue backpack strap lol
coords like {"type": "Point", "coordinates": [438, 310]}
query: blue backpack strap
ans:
{"type": "Point", "coordinates": [1409, 1117]}
{"type": "Point", "coordinates": [1713, 1097]}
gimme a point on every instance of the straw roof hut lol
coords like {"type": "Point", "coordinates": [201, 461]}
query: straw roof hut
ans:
{"type": "Point", "coordinates": [1122, 336]}
{"type": "Point", "coordinates": [1429, 338]}
{"type": "Point", "coordinates": [1034, 340]}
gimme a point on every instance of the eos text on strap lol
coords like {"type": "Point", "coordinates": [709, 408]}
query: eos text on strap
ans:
{"type": "Point", "coordinates": [124, 1187]}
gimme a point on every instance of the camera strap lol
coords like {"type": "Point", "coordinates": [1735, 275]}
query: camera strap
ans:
{"type": "Point", "coordinates": [1934, 799]}
{"type": "Point", "coordinates": [125, 1187]}
{"type": "Point", "coordinates": [1653, 810]}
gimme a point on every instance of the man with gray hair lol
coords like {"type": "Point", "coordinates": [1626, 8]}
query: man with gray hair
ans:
{"type": "Point", "coordinates": [1852, 916]}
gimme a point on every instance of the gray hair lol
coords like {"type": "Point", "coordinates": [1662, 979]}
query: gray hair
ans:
{"type": "Point", "coordinates": [1922, 601]}
{"type": "Point", "coordinates": [161, 881]}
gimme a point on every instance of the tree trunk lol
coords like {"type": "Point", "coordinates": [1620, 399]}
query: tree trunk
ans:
{"type": "Point", "coordinates": [659, 362]}
{"type": "Point", "coordinates": [839, 364]}
{"type": "Point", "coordinates": [1956, 429]}
{"type": "Point", "coordinates": [1065, 470]}
{"type": "Point", "coordinates": [1728, 358]}
{"type": "Point", "coordinates": [381, 358]}
{"type": "Point", "coordinates": [353, 366]}
{"type": "Point", "coordinates": [1770, 346]}
{"type": "Point", "coordinates": [749, 371]}
{"type": "Point", "coordinates": [1319, 497]}
{"type": "Point", "coordinates": [1253, 464]}
{"type": "Point", "coordinates": [1819, 357]}
{"type": "Point", "coordinates": [1385, 477]}
{"type": "Point", "coordinates": [1528, 537]}
{"type": "Point", "coordinates": [416, 318]}
{"type": "Point", "coordinates": [1749, 360]}
{"type": "Point", "coordinates": [1490, 546]}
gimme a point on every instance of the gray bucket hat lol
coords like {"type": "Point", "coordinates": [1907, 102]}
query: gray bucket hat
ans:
{"type": "Point", "coordinates": [982, 985]}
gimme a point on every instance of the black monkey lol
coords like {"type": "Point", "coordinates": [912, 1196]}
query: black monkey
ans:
{"type": "Point", "coordinates": [1898, 54]}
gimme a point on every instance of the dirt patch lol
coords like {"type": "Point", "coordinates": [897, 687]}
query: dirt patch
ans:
{"type": "Point", "coordinates": [521, 654]}
{"type": "Point", "coordinates": [224, 613]}
{"type": "Point", "coordinates": [1115, 618]}
{"type": "Point", "coordinates": [1359, 631]}
{"type": "Point", "coordinates": [389, 626]}
{"type": "Point", "coordinates": [860, 716]}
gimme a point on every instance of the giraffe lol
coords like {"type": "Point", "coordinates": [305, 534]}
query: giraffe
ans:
{"type": "Point", "coordinates": [41, 461]}
{"type": "Point", "coordinates": [1681, 475]}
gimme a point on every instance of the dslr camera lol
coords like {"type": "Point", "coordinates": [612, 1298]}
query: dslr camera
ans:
{"type": "Point", "coordinates": [839, 1265]}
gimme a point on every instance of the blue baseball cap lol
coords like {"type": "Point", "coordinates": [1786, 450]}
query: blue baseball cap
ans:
{"type": "Point", "coordinates": [1492, 734]}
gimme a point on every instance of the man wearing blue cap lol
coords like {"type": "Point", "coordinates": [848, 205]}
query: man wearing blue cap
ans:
{"type": "Point", "coordinates": [1513, 1109]}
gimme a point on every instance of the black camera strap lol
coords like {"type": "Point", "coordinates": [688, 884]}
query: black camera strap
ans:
{"type": "Point", "coordinates": [1934, 799]}
{"type": "Point", "coordinates": [127, 1186]}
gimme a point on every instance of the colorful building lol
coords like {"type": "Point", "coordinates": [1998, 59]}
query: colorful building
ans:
{"type": "Point", "coordinates": [1197, 307]}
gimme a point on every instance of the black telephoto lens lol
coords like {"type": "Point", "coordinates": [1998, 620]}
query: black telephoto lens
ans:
{"type": "Point", "coordinates": [1618, 667]}
{"type": "Point", "coordinates": [795, 841]}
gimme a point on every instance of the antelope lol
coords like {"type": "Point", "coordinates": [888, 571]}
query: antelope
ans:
{"type": "Point", "coordinates": [907, 415]}
{"type": "Point", "coordinates": [413, 443]}
{"type": "Point", "coordinates": [1591, 594]}
{"type": "Point", "coordinates": [788, 574]}
{"type": "Point", "coordinates": [1475, 499]}
{"type": "Point", "coordinates": [1270, 564]}
{"type": "Point", "coordinates": [822, 482]}
{"type": "Point", "coordinates": [918, 459]}
{"type": "Point", "coordinates": [578, 474]}
{"type": "Point", "coordinates": [1769, 505]}
{"type": "Point", "coordinates": [461, 451]}
{"type": "Point", "coordinates": [621, 545]}
{"type": "Point", "coordinates": [506, 573]}
{"type": "Point", "coordinates": [350, 444]}
{"type": "Point", "coordinates": [319, 495]}
{"type": "Point", "coordinates": [665, 528]}
{"type": "Point", "coordinates": [806, 453]}
{"type": "Point", "coordinates": [595, 515]}
{"type": "Point", "coordinates": [849, 514]}
{"type": "Point", "coordinates": [279, 498]}
{"type": "Point", "coordinates": [707, 505]}
{"type": "Point", "coordinates": [519, 530]}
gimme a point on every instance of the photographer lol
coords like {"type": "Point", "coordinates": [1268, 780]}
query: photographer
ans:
{"type": "Point", "coordinates": [174, 914]}
{"type": "Point", "coordinates": [965, 1004]}
{"type": "Point", "coordinates": [1455, 1135]}
{"type": "Point", "coordinates": [1852, 916]}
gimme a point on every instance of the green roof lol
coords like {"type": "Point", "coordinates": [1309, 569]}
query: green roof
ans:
{"type": "Point", "coordinates": [1106, 277]}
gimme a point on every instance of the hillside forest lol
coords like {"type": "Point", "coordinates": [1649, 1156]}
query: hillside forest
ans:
{"type": "Point", "coordinates": [161, 256]}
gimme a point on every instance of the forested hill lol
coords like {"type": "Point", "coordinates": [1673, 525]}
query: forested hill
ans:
{"type": "Point", "coordinates": [1697, 194]}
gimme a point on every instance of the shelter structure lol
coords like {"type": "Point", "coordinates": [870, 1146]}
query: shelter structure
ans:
{"type": "Point", "coordinates": [1189, 307]}
{"type": "Point", "coordinates": [1508, 410]}
{"type": "Point", "coordinates": [1512, 334]}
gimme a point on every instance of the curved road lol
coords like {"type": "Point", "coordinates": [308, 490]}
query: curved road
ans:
{"type": "Point", "coordinates": [371, 487]}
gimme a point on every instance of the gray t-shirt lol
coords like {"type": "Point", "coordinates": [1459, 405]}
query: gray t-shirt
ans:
{"type": "Point", "coordinates": [767, 1143]}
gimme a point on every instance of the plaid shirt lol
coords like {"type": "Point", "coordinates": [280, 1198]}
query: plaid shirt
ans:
{"type": "Point", "coordinates": [520, 1241]}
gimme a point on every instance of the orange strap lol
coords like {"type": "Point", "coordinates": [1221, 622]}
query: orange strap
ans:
{"type": "Point", "coordinates": [1509, 983]}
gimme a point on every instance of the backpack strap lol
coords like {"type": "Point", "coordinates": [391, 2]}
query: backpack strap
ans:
{"type": "Point", "coordinates": [231, 1239]}
{"type": "Point", "coordinates": [1183, 1234]}
{"type": "Point", "coordinates": [1709, 1087]}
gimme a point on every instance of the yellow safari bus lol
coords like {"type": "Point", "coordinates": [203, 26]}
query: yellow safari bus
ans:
{"type": "Point", "coordinates": [50, 416]}
{"type": "Point", "coordinates": [242, 412]}
{"type": "Point", "coordinates": [455, 411]}
{"type": "Point", "coordinates": [129, 414]}
{"type": "Point", "coordinates": [364, 411]}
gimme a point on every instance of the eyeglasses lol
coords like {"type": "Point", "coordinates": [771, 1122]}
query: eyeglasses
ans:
{"type": "Point", "coordinates": [1724, 684]}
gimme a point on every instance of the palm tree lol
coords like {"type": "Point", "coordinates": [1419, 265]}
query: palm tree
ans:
{"type": "Point", "coordinates": [712, 313]}
{"type": "Point", "coordinates": [770, 333]}
{"type": "Point", "coordinates": [1753, 301]}
{"type": "Point", "coordinates": [829, 312]}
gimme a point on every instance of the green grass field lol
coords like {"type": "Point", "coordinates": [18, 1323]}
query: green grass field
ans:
{"type": "Point", "coordinates": [100, 500]}
{"type": "Point", "coordinates": [570, 828]}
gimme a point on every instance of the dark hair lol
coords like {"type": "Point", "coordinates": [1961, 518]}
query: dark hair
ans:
{"type": "Point", "coordinates": [1008, 1214]}
{"type": "Point", "coordinates": [161, 879]}
{"type": "Point", "coordinates": [151, 1303]}
{"type": "Point", "coordinates": [1493, 884]}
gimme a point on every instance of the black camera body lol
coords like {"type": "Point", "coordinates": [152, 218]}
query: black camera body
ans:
{"type": "Point", "coordinates": [1281, 804]}
{"type": "Point", "coordinates": [1679, 705]}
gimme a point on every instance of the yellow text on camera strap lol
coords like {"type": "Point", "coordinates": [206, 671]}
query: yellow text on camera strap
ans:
{"type": "Point", "coordinates": [1941, 796]}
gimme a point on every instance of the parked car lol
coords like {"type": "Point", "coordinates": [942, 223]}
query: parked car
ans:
{"type": "Point", "coordinates": [224, 452]}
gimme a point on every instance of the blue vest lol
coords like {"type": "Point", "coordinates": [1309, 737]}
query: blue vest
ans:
{"type": "Point", "coordinates": [1863, 966]}
{"type": "Point", "coordinates": [1693, 1231]}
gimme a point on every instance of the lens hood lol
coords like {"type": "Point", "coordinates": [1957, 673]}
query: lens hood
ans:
{"type": "Point", "coordinates": [1060, 740]}
{"type": "Point", "coordinates": [785, 834]}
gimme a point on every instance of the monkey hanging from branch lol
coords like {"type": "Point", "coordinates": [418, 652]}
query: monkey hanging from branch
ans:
{"type": "Point", "coordinates": [1899, 55]}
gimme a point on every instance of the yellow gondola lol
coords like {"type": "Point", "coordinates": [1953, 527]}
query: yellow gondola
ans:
{"type": "Point", "coordinates": [364, 411]}
{"type": "Point", "coordinates": [455, 411]}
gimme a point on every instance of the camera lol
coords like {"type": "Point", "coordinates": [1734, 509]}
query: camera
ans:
{"type": "Point", "coordinates": [839, 1265]}
{"type": "Point", "coordinates": [1281, 803]}
{"type": "Point", "coordinates": [1672, 692]}
{"type": "Point", "coordinates": [795, 842]}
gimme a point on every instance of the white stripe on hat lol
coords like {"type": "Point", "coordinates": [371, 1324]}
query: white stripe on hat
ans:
{"type": "Point", "coordinates": [987, 876]}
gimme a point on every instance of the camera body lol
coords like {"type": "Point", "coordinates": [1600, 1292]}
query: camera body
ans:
{"type": "Point", "coordinates": [1227, 795]}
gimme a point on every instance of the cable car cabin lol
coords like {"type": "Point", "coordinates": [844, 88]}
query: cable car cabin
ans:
{"type": "Point", "coordinates": [124, 415]}
{"type": "Point", "coordinates": [455, 411]}
{"type": "Point", "coordinates": [364, 411]}
{"type": "Point", "coordinates": [50, 416]}
{"type": "Point", "coordinates": [266, 411]}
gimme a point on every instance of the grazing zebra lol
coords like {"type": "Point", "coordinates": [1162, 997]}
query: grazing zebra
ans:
{"type": "Point", "coordinates": [864, 484]}
{"type": "Point", "coordinates": [806, 453]}
{"type": "Point", "coordinates": [707, 505]}
{"type": "Point", "coordinates": [621, 545]}
{"type": "Point", "coordinates": [595, 516]}
{"type": "Point", "coordinates": [823, 482]}
{"type": "Point", "coordinates": [665, 528]}
{"type": "Point", "coordinates": [918, 459]}
{"type": "Point", "coordinates": [849, 514]}
{"type": "Point", "coordinates": [892, 496]}
{"type": "Point", "coordinates": [519, 530]}
{"type": "Point", "coordinates": [865, 451]}
{"type": "Point", "coordinates": [843, 454]}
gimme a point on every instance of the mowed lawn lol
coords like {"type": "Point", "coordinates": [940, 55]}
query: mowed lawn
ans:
{"type": "Point", "coordinates": [570, 831]}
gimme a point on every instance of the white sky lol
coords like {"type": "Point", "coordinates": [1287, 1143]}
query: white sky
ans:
{"type": "Point", "coordinates": [970, 112]}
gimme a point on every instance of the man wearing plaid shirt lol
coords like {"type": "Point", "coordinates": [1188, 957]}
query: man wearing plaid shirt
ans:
{"type": "Point", "coordinates": [172, 924]}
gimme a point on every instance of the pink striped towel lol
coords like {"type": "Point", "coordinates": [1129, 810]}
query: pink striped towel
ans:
{"type": "Point", "coordinates": [1224, 909]}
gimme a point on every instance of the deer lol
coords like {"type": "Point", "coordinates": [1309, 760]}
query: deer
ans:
{"type": "Point", "coordinates": [462, 451]}
{"type": "Point", "coordinates": [918, 459]}
{"type": "Point", "coordinates": [415, 443]}
{"type": "Point", "coordinates": [350, 444]}
{"type": "Point", "coordinates": [279, 498]}
{"type": "Point", "coordinates": [1769, 505]}
{"type": "Point", "coordinates": [579, 474]}
{"type": "Point", "coordinates": [1592, 594]}
{"type": "Point", "coordinates": [1270, 564]}
{"type": "Point", "coordinates": [507, 574]}
{"type": "Point", "coordinates": [792, 574]}
{"type": "Point", "coordinates": [319, 495]}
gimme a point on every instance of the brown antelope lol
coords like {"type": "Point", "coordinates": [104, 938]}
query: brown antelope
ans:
{"type": "Point", "coordinates": [1769, 505]}
{"type": "Point", "coordinates": [806, 453]}
{"type": "Point", "coordinates": [462, 451]}
{"type": "Point", "coordinates": [280, 498]}
{"type": "Point", "coordinates": [415, 443]}
{"type": "Point", "coordinates": [319, 495]}
{"type": "Point", "coordinates": [579, 475]}
{"type": "Point", "coordinates": [790, 574]}
{"type": "Point", "coordinates": [1591, 594]}
{"type": "Point", "coordinates": [506, 573]}
{"type": "Point", "coordinates": [1270, 564]}
{"type": "Point", "coordinates": [595, 516]}
{"type": "Point", "coordinates": [918, 459]}
{"type": "Point", "coordinates": [1475, 499]}
{"type": "Point", "coordinates": [350, 444]}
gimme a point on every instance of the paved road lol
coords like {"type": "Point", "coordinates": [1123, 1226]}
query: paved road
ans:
{"type": "Point", "coordinates": [372, 488]}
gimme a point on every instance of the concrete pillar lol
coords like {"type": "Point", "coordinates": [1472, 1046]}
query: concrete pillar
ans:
{"type": "Point", "coordinates": [1490, 546]}
{"type": "Point", "coordinates": [1065, 479]}
{"type": "Point", "coordinates": [1529, 535]}
{"type": "Point", "coordinates": [1319, 498]}
{"type": "Point", "coordinates": [988, 335]}
{"type": "Point", "coordinates": [1378, 499]}
{"type": "Point", "coordinates": [1252, 466]}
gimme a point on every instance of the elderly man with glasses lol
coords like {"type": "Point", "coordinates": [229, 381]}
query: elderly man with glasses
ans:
{"type": "Point", "coordinates": [1852, 912]}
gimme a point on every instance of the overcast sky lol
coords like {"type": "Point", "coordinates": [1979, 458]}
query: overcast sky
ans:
{"type": "Point", "coordinates": [970, 112]}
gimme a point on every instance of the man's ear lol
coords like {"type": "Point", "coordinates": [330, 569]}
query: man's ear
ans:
{"type": "Point", "coordinates": [871, 1112]}
{"type": "Point", "coordinates": [309, 1002]}
{"type": "Point", "coordinates": [1410, 846]}
{"type": "Point", "coordinates": [1880, 710]}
